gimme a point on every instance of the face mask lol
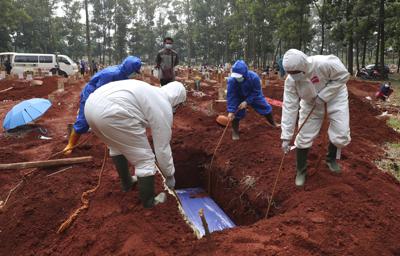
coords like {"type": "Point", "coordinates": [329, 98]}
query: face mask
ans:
{"type": "Point", "coordinates": [298, 76]}
{"type": "Point", "coordinates": [132, 75]}
{"type": "Point", "coordinates": [239, 79]}
{"type": "Point", "coordinates": [168, 46]}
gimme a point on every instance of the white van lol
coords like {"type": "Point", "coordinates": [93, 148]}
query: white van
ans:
{"type": "Point", "coordinates": [23, 62]}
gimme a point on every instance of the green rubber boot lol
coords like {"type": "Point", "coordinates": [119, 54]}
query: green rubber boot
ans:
{"type": "Point", "coordinates": [301, 166]}
{"type": "Point", "coordinates": [235, 129]}
{"type": "Point", "coordinates": [270, 119]}
{"type": "Point", "coordinates": [146, 192]}
{"type": "Point", "coordinates": [331, 159]}
{"type": "Point", "coordinates": [121, 164]}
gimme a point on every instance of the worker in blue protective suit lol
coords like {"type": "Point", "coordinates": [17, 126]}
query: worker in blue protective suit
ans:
{"type": "Point", "coordinates": [244, 88]}
{"type": "Point", "coordinates": [129, 67]}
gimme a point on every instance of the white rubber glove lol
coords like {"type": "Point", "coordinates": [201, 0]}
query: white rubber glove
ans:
{"type": "Point", "coordinates": [243, 105]}
{"type": "Point", "coordinates": [231, 116]}
{"type": "Point", "coordinates": [170, 182]}
{"type": "Point", "coordinates": [285, 146]}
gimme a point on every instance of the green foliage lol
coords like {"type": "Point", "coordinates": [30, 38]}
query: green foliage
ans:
{"type": "Point", "coordinates": [204, 31]}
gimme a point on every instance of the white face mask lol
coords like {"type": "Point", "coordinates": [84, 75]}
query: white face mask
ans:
{"type": "Point", "coordinates": [168, 46]}
{"type": "Point", "coordinates": [239, 79]}
{"type": "Point", "coordinates": [298, 76]}
{"type": "Point", "coordinates": [132, 75]}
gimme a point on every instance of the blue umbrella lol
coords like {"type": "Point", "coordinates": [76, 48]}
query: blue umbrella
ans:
{"type": "Point", "coordinates": [25, 112]}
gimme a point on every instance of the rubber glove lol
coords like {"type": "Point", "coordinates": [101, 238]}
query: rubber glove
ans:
{"type": "Point", "coordinates": [73, 139]}
{"type": "Point", "coordinates": [242, 105]}
{"type": "Point", "coordinates": [285, 146]}
{"type": "Point", "coordinates": [231, 116]}
{"type": "Point", "coordinates": [170, 182]}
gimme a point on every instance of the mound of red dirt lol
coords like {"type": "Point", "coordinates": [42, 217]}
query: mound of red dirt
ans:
{"type": "Point", "coordinates": [353, 213]}
{"type": "Point", "coordinates": [22, 89]}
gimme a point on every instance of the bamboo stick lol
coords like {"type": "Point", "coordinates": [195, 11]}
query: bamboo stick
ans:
{"type": "Point", "coordinates": [47, 163]}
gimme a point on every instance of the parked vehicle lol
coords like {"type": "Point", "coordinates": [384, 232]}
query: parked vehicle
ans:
{"type": "Point", "coordinates": [33, 62]}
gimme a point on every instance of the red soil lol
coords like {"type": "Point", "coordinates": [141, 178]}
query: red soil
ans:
{"type": "Point", "coordinates": [354, 213]}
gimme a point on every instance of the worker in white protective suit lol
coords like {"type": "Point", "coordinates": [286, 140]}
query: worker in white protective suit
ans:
{"type": "Point", "coordinates": [119, 113]}
{"type": "Point", "coordinates": [320, 81]}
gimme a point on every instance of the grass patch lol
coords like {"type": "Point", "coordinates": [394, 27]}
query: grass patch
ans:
{"type": "Point", "coordinates": [394, 122]}
{"type": "Point", "coordinates": [391, 161]}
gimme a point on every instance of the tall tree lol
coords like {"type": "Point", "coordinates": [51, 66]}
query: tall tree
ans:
{"type": "Point", "coordinates": [88, 44]}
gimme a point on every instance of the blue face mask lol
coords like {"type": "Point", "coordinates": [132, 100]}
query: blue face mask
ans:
{"type": "Point", "coordinates": [239, 79]}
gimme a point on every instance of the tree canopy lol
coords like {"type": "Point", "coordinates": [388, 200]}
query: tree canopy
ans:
{"type": "Point", "coordinates": [360, 32]}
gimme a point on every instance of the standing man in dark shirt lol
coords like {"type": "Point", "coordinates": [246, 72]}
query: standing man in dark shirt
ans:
{"type": "Point", "coordinates": [166, 61]}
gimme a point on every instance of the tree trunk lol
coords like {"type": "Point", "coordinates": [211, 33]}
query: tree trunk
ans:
{"type": "Point", "coordinates": [350, 55]}
{"type": "Point", "coordinates": [377, 47]}
{"type": "Point", "coordinates": [357, 56]}
{"type": "Point", "coordinates": [382, 36]}
{"type": "Point", "coordinates": [88, 50]}
{"type": "Point", "coordinates": [364, 52]}
{"type": "Point", "coordinates": [189, 33]}
{"type": "Point", "coordinates": [398, 61]}
{"type": "Point", "coordinates": [349, 37]}
{"type": "Point", "coordinates": [322, 38]}
{"type": "Point", "coordinates": [300, 33]}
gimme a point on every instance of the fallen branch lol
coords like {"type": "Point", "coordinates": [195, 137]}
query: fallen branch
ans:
{"type": "Point", "coordinates": [3, 204]}
{"type": "Point", "coordinates": [63, 170]}
{"type": "Point", "coordinates": [5, 90]}
{"type": "Point", "coordinates": [47, 163]}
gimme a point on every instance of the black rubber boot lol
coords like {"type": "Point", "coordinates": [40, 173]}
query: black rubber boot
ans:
{"type": "Point", "coordinates": [270, 119]}
{"type": "Point", "coordinates": [235, 129]}
{"type": "Point", "coordinates": [301, 166]}
{"type": "Point", "coordinates": [121, 164]}
{"type": "Point", "coordinates": [331, 159]}
{"type": "Point", "coordinates": [146, 192]}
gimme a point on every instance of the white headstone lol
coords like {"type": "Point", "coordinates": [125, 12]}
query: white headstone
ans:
{"type": "Point", "coordinates": [29, 77]}
{"type": "Point", "coordinates": [20, 75]}
{"type": "Point", "coordinates": [50, 74]}
{"type": "Point", "coordinates": [2, 75]}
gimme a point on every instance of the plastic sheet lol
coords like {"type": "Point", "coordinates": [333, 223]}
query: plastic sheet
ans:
{"type": "Point", "coordinates": [192, 200]}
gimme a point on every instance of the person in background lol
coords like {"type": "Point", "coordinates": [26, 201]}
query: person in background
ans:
{"type": "Point", "coordinates": [94, 67]}
{"type": "Point", "coordinates": [314, 84]}
{"type": "Point", "coordinates": [384, 92]}
{"type": "Point", "coordinates": [244, 88]}
{"type": "Point", "coordinates": [282, 72]}
{"type": "Point", "coordinates": [8, 66]}
{"type": "Point", "coordinates": [166, 61]}
{"type": "Point", "coordinates": [82, 67]}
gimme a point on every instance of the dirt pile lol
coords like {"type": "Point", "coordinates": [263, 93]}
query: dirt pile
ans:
{"type": "Point", "coordinates": [22, 89]}
{"type": "Point", "coordinates": [354, 213]}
